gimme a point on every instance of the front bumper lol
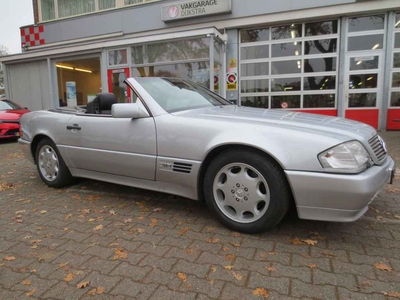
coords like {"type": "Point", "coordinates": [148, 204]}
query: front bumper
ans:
{"type": "Point", "coordinates": [9, 130]}
{"type": "Point", "coordinates": [25, 146]}
{"type": "Point", "coordinates": [338, 197]}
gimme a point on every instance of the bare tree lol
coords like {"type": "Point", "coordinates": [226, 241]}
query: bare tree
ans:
{"type": "Point", "coordinates": [3, 51]}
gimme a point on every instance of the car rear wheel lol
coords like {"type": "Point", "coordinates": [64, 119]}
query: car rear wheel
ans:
{"type": "Point", "coordinates": [248, 191]}
{"type": "Point", "coordinates": [51, 166]}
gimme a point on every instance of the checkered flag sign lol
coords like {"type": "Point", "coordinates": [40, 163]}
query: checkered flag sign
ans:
{"type": "Point", "coordinates": [32, 36]}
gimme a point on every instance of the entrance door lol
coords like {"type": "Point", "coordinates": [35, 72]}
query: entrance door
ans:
{"type": "Point", "coordinates": [363, 87]}
{"type": "Point", "coordinates": [117, 86]}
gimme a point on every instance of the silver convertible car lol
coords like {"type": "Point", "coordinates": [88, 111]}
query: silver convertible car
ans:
{"type": "Point", "coordinates": [248, 164]}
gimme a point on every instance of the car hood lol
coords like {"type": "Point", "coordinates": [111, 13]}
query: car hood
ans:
{"type": "Point", "coordinates": [12, 114]}
{"type": "Point", "coordinates": [333, 126]}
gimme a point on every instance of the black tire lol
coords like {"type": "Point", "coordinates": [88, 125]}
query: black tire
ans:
{"type": "Point", "coordinates": [63, 177]}
{"type": "Point", "coordinates": [279, 189]}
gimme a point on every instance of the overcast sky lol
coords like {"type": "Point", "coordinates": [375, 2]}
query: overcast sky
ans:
{"type": "Point", "coordinates": [13, 15]}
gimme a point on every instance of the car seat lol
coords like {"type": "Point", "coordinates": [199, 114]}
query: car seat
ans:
{"type": "Point", "coordinates": [101, 104]}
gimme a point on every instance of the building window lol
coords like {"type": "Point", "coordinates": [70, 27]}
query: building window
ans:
{"type": "Point", "coordinates": [47, 10]}
{"type": "Point", "coordinates": [79, 80]}
{"type": "Point", "coordinates": [188, 59]}
{"type": "Point", "coordinates": [395, 73]}
{"type": "Point", "coordinates": [56, 9]}
{"type": "Point", "coordinates": [290, 66]}
{"type": "Point", "coordinates": [68, 8]}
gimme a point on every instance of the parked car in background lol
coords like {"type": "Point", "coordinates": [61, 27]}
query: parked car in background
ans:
{"type": "Point", "coordinates": [10, 114]}
{"type": "Point", "coordinates": [250, 165]}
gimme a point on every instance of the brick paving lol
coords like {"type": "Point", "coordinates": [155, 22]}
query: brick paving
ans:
{"type": "Point", "coordinates": [135, 244]}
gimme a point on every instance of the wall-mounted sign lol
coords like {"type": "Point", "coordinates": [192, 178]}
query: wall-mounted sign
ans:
{"type": "Point", "coordinates": [192, 9]}
{"type": "Point", "coordinates": [232, 76]}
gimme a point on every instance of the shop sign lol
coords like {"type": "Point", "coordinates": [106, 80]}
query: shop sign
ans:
{"type": "Point", "coordinates": [192, 9]}
{"type": "Point", "coordinates": [232, 76]}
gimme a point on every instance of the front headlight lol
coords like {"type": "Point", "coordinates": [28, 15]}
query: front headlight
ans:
{"type": "Point", "coordinates": [349, 157]}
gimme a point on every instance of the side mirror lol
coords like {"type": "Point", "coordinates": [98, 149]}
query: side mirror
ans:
{"type": "Point", "coordinates": [26, 107]}
{"type": "Point", "coordinates": [128, 110]}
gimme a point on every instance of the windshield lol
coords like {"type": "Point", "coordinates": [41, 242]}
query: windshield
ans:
{"type": "Point", "coordinates": [6, 105]}
{"type": "Point", "coordinates": [177, 94]}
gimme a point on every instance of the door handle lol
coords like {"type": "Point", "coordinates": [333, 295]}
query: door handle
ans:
{"type": "Point", "coordinates": [75, 126]}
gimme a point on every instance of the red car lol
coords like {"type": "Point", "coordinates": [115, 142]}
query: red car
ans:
{"type": "Point", "coordinates": [10, 113]}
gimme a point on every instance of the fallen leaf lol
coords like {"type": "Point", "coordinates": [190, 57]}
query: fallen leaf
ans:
{"type": "Point", "coordinates": [237, 275]}
{"type": "Point", "coordinates": [190, 250]}
{"type": "Point", "coordinates": [30, 294]}
{"type": "Point", "coordinates": [20, 212]}
{"type": "Point", "coordinates": [396, 216]}
{"type": "Point", "coordinates": [27, 237]}
{"type": "Point", "coordinates": [9, 258]}
{"type": "Point", "coordinates": [93, 198]}
{"type": "Point", "coordinates": [43, 211]}
{"type": "Point", "coordinates": [273, 253]}
{"type": "Point", "coordinates": [141, 230]}
{"type": "Point", "coordinates": [393, 294]}
{"type": "Point", "coordinates": [182, 276]}
{"type": "Point", "coordinates": [91, 220]}
{"type": "Point", "coordinates": [183, 231]}
{"type": "Point", "coordinates": [229, 257]}
{"type": "Point", "coordinates": [310, 242]}
{"type": "Point", "coordinates": [366, 283]}
{"type": "Point", "coordinates": [34, 247]}
{"type": "Point", "coordinates": [312, 266]}
{"type": "Point", "coordinates": [383, 267]}
{"type": "Point", "coordinates": [35, 241]}
{"type": "Point", "coordinates": [236, 245]}
{"type": "Point", "coordinates": [261, 292]}
{"type": "Point", "coordinates": [69, 277]}
{"type": "Point", "coordinates": [229, 267]}
{"type": "Point", "coordinates": [126, 221]}
{"type": "Point", "coordinates": [296, 241]}
{"type": "Point", "coordinates": [85, 211]}
{"type": "Point", "coordinates": [120, 253]}
{"type": "Point", "coordinates": [63, 265]}
{"type": "Point", "coordinates": [99, 227]}
{"type": "Point", "coordinates": [237, 234]}
{"type": "Point", "coordinates": [26, 282]}
{"type": "Point", "coordinates": [270, 269]}
{"type": "Point", "coordinates": [153, 223]}
{"type": "Point", "coordinates": [157, 209]}
{"type": "Point", "coordinates": [96, 291]}
{"type": "Point", "coordinates": [263, 256]}
{"type": "Point", "coordinates": [113, 212]}
{"type": "Point", "coordinates": [79, 272]}
{"type": "Point", "coordinates": [212, 241]}
{"type": "Point", "coordinates": [329, 254]}
{"type": "Point", "coordinates": [213, 269]}
{"type": "Point", "coordinates": [33, 271]}
{"type": "Point", "coordinates": [67, 217]}
{"type": "Point", "coordinates": [225, 249]}
{"type": "Point", "coordinates": [82, 285]}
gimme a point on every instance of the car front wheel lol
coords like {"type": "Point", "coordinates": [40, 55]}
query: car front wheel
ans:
{"type": "Point", "coordinates": [51, 166]}
{"type": "Point", "coordinates": [248, 191]}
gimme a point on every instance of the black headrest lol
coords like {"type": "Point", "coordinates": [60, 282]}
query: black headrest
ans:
{"type": "Point", "coordinates": [106, 101]}
{"type": "Point", "coordinates": [101, 104]}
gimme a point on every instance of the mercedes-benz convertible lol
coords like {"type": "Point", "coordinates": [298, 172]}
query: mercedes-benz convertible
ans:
{"type": "Point", "coordinates": [249, 165]}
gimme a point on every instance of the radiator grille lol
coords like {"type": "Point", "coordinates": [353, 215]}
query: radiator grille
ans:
{"type": "Point", "coordinates": [377, 146]}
